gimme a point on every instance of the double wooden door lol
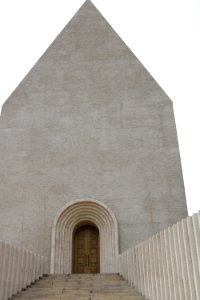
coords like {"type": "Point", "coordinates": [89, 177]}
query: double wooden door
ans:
{"type": "Point", "coordinates": [86, 250]}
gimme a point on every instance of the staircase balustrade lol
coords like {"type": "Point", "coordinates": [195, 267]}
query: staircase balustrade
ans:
{"type": "Point", "coordinates": [18, 269]}
{"type": "Point", "coordinates": [166, 266]}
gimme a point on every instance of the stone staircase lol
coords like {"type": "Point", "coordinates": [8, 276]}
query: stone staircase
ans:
{"type": "Point", "coordinates": [80, 287]}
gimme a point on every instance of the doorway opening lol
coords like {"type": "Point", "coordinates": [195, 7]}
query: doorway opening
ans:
{"type": "Point", "coordinates": [86, 249]}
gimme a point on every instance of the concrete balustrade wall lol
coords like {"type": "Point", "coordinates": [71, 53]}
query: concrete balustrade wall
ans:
{"type": "Point", "coordinates": [18, 269]}
{"type": "Point", "coordinates": [166, 266]}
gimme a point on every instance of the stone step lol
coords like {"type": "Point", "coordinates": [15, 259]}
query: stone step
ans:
{"type": "Point", "coordinates": [102, 281]}
{"type": "Point", "coordinates": [71, 276]}
{"type": "Point", "coordinates": [80, 287]}
{"type": "Point", "coordinates": [77, 294]}
{"type": "Point", "coordinates": [88, 297]}
{"type": "Point", "coordinates": [62, 290]}
{"type": "Point", "coordinates": [67, 279]}
{"type": "Point", "coordinates": [80, 279]}
{"type": "Point", "coordinates": [77, 284]}
{"type": "Point", "coordinates": [94, 297]}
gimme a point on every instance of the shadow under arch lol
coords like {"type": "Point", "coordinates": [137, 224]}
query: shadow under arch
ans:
{"type": "Point", "coordinates": [64, 224]}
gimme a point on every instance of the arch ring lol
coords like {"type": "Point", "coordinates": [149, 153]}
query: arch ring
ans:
{"type": "Point", "coordinates": [62, 235]}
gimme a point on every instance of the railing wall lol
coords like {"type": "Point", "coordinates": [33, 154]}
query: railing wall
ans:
{"type": "Point", "coordinates": [18, 269]}
{"type": "Point", "coordinates": [166, 266]}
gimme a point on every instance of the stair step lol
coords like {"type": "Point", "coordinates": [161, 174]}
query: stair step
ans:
{"type": "Point", "coordinates": [102, 297]}
{"type": "Point", "coordinates": [80, 287]}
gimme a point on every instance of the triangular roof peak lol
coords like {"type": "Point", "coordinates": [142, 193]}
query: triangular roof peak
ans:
{"type": "Point", "coordinates": [89, 57]}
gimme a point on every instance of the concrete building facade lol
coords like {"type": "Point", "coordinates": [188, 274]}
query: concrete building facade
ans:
{"type": "Point", "coordinates": [88, 125]}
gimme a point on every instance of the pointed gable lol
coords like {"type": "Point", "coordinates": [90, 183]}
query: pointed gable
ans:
{"type": "Point", "coordinates": [88, 58]}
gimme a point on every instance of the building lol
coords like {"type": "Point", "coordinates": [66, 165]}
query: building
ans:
{"type": "Point", "coordinates": [90, 163]}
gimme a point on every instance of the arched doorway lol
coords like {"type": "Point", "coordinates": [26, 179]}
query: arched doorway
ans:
{"type": "Point", "coordinates": [65, 224]}
{"type": "Point", "coordinates": [86, 256]}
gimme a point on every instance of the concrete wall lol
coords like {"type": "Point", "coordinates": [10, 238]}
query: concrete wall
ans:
{"type": "Point", "coordinates": [166, 266]}
{"type": "Point", "coordinates": [88, 122]}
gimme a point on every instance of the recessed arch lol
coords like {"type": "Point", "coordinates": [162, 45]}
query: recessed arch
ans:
{"type": "Point", "coordinates": [67, 220]}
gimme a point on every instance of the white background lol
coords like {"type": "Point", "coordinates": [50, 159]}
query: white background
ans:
{"type": "Point", "coordinates": [163, 34]}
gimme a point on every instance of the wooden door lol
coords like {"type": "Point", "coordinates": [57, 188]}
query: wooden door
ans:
{"type": "Point", "coordinates": [86, 250]}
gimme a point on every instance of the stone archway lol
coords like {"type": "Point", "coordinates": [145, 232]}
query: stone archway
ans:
{"type": "Point", "coordinates": [62, 235]}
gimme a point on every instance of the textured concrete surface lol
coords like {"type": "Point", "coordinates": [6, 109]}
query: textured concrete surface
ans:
{"type": "Point", "coordinates": [88, 121]}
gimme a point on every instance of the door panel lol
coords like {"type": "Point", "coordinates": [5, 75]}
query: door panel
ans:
{"type": "Point", "coordinates": [86, 250]}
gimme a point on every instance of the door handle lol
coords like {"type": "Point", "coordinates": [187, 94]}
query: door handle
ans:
{"type": "Point", "coordinates": [88, 260]}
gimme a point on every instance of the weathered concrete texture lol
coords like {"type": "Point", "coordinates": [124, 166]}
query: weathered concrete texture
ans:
{"type": "Point", "coordinates": [88, 121]}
